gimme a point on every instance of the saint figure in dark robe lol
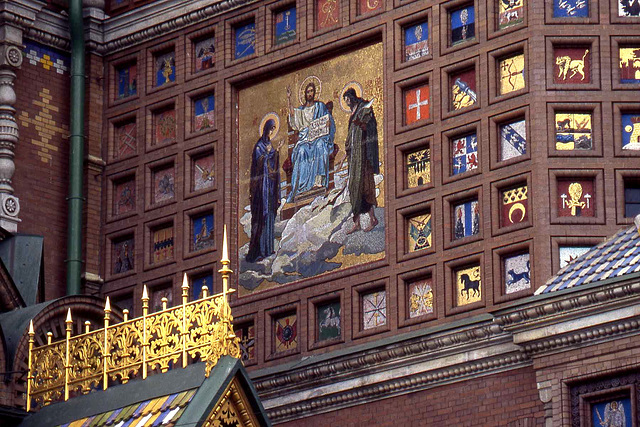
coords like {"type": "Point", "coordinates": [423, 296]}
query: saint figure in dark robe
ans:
{"type": "Point", "coordinates": [264, 193]}
{"type": "Point", "coordinates": [362, 151]}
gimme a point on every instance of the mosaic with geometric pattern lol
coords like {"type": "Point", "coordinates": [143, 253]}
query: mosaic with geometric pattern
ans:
{"type": "Point", "coordinates": [163, 243]}
{"type": "Point", "coordinates": [165, 67]}
{"type": "Point", "coordinates": [205, 54]}
{"type": "Point", "coordinates": [164, 123]}
{"type": "Point", "coordinates": [416, 103]}
{"type": "Point", "coordinates": [420, 298]}
{"type": "Point", "coordinates": [511, 74]}
{"type": "Point", "coordinates": [465, 154]}
{"type": "Point", "coordinates": [511, 12]}
{"type": "Point", "coordinates": [463, 89]}
{"type": "Point", "coordinates": [245, 36]}
{"type": "Point", "coordinates": [123, 255]}
{"type": "Point", "coordinates": [569, 253]}
{"type": "Point", "coordinates": [466, 219]}
{"type": "Point", "coordinates": [571, 64]}
{"type": "Point", "coordinates": [463, 24]}
{"type": "Point", "coordinates": [419, 232]}
{"type": "Point", "coordinates": [468, 285]}
{"type": "Point", "coordinates": [286, 333]}
{"type": "Point", "coordinates": [570, 8]}
{"type": "Point", "coordinates": [517, 270]}
{"type": "Point", "coordinates": [327, 14]}
{"type": "Point", "coordinates": [514, 206]}
{"type": "Point", "coordinates": [126, 139]}
{"type": "Point", "coordinates": [204, 113]}
{"type": "Point", "coordinates": [164, 184]}
{"type": "Point", "coordinates": [124, 196]}
{"type": "Point", "coordinates": [576, 198]}
{"type": "Point", "coordinates": [513, 139]}
{"type": "Point", "coordinates": [329, 320]}
{"type": "Point", "coordinates": [573, 131]}
{"type": "Point", "coordinates": [374, 309]}
{"type": "Point", "coordinates": [418, 165]}
{"type": "Point", "coordinates": [630, 63]}
{"type": "Point", "coordinates": [416, 41]}
{"type": "Point", "coordinates": [631, 131]}
{"type": "Point", "coordinates": [285, 28]}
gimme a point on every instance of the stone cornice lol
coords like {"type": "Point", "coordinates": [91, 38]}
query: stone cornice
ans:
{"type": "Point", "coordinates": [417, 363]}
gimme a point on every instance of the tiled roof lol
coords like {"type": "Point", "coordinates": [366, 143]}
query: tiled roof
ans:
{"type": "Point", "coordinates": [162, 411]}
{"type": "Point", "coordinates": [614, 257]}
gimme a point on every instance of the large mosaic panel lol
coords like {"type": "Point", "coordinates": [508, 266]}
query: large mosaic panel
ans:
{"type": "Point", "coordinates": [464, 156]}
{"type": "Point", "coordinates": [630, 64]}
{"type": "Point", "coordinates": [515, 206]}
{"type": "Point", "coordinates": [511, 72]}
{"type": "Point", "coordinates": [421, 298]}
{"type": "Point", "coordinates": [513, 139]}
{"type": "Point", "coordinates": [575, 198]}
{"type": "Point", "coordinates": [285, 28]}
{"type": "Point", "coordinates": [468, 285]}
{"type": "Point", "coordinates": [511, 12]}
{"type": "Point", "coordinates": [419, 232]}
{"type": "Point", "coordinates": [374, 309]}
{"type": "Point", "coordinates": [631, 131]}
{"type": "Point", "coordinates": [416, 41]}
{"type": "Point", "coordinates": [416, 104]}
{"type": "Point", "coordinates": [463, 89]}
{"type": "Point", "coordinates": [570, 8]}
{"type": "Point", "coordinates": [466, 219]}
{"type": "Point", "coordinates": [573, 131]}
{"type": "Point", "coordinates": [329, 320]}
{"type": "Point", "coordinates": [311, 171]}
{"type": "Point", "coordinates": [123, 255]}
{"type": "Point", "coordinates": [571, 65]}
{"type": "Point", "coordinates": [517, 270]}
{"type": "Point", "coordinates": [463, 24]}
{"type": "Point", "coordinates": [286, 333]}
{"type": "Point", "coordinates": [418, 164]}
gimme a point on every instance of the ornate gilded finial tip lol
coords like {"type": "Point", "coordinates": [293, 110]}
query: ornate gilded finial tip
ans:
{"type": "Point", "coordinates": [107, 305]}
{"type": "Point", "coordinates": [185, 281]}
{"type": "Point", "coordinates": [225, 249]}
{"type": "Point", "coordinates": [31, 331]}
{"type": "Point", "coordinates": [69, 320]}
{"type": "Point", "coordinates": [145, 293]}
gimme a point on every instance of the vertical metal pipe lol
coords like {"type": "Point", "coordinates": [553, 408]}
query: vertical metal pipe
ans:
{"type": "Point", "coordinates": [76, 152]}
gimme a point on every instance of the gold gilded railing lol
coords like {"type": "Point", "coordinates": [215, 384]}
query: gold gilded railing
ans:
{"type": "Point", "coordinates": [115, 353]}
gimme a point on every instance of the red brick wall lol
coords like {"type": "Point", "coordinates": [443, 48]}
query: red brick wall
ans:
{"type": "Point", "coordinates": [497, 400]}
{"type": "Point", "coordinates": [41, 177]}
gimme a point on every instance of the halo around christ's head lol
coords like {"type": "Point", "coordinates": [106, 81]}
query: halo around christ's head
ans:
{"type": "Point", "coordinates": [275, 117]}
{"type": "Point", "coordinates": [303, 86]}
{"type": "Point", "coordinates": [351, 85]}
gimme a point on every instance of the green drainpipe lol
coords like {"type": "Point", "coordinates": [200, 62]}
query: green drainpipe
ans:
{"type": "Point", "coordinates": [76, 152]}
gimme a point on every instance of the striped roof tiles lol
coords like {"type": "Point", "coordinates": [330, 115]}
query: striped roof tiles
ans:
{"type": "Point", "coordinates": [614, 257]}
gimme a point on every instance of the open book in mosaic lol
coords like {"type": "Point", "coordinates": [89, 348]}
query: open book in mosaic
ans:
{"type": "Point", "coordinates": [468, 285]}
{"type": "Point", "coordinates": [573, 131]}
